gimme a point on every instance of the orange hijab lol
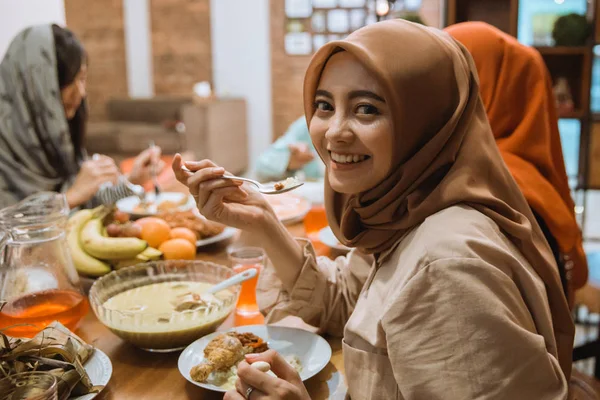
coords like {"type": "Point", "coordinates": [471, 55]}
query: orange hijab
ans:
{"type": "Point", "coordinates": [444, 154]}
{"type": "Point", "coordinates": [516, 90]}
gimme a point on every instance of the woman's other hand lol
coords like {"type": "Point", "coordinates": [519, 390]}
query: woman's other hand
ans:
{"type": "Point", "coordinates": [141, 171]}
{"type": "Point", "coordinates": [91, 176]}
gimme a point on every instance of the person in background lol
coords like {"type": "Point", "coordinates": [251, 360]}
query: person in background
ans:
{"type": "Point", "coordinates": [291, 153]}
{"type": "Point", "coordinates": [516, 90]}
{"type": "Point", "coordinates": [450, 290]}
{"type": "Point", "coordinates": [43, 117]}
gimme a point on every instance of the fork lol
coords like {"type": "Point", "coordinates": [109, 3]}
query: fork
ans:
{"type": "Point", "coordinates": [264, 189]}
{"type": "Point", "coordinates": [153, 172]}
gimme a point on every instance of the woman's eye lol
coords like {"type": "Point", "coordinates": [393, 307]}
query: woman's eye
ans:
{"type": "Point", "coordinates": [366, 109]}
{"type": "Point", "coordinates": [323, 106]}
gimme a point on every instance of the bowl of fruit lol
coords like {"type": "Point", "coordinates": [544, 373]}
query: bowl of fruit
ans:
{"type": "Point", "coordinates": [104, 239]}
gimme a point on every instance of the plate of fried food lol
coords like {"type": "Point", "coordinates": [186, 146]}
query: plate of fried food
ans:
{"type": "Point", "coordinates": [211, 362]}
{"type": "Point", "coordinates": [153, 204]}
{"type": "Point", "coordinates": [207, 232]}
{"type": "Point", "coordinates": [289, 207]}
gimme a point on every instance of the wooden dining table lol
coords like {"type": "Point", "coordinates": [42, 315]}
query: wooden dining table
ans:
{"type": "Point", "coordinates": [142, 375]}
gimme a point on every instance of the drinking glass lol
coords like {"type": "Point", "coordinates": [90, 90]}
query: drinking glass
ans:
{"type": "Point", "coordinates": [29, 386]}
{"type": "Point", "coordinates": [242, 259]}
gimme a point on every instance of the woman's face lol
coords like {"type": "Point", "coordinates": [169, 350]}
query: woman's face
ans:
{"type": "Point", "coordinates": [352, 126]}
{"type": "Point", "coordinates": [73, 94]}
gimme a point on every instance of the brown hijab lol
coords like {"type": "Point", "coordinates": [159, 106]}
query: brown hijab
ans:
{"type": "Point", "coordinates": [445, 153]}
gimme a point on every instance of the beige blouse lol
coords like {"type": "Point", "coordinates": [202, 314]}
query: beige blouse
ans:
{"type": "Point", "coordinates": [454, 311]}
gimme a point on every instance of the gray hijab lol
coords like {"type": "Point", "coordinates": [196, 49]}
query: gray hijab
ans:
{"type": "Point", "coordinates": [36, 152]}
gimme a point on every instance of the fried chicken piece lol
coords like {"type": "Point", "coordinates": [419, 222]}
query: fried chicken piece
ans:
{"type": "Point", "coordinates": [221, 353]}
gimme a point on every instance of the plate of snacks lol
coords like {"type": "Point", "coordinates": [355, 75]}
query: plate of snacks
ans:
{"type": "Point", "coordinates": [81, 370]}
{"type": "Point", "coordinates": [289, 208]}
{"type": "Point", "coordinates": [211, 362]}
{"type": "Point", "coordinates": [207, 232]}
{"type": "Point", "coordinates": [153, 204]}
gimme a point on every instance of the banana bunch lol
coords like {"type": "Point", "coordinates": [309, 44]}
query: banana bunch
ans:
{"type": "Point", "coordinates": [93, 252]}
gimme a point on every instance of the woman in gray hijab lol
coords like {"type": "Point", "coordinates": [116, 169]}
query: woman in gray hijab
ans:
{"type": "Point", "coordinates": [43, 117]}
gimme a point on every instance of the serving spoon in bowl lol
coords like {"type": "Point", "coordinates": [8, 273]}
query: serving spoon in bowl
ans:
{"type": "Point", "coordinates": [271, 188]}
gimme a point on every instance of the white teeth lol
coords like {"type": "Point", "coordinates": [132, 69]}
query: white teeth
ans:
{"type": "Point", "coordinates": [346, 159]}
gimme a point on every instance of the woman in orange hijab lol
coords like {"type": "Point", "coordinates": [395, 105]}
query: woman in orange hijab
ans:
{"type": "Point", "coordinates": [516, 90]}
{"type": "Point", "coordinates": [450, 292]}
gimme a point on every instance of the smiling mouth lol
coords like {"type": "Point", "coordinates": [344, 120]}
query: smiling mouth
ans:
{"type": "Point", "coordinates": [348, 158]}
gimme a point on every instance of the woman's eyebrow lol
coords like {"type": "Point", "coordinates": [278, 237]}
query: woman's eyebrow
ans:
{"type": "Point", "coordinates": [365, 93]}
{"type": "Point", "coordinates": [324, 93]}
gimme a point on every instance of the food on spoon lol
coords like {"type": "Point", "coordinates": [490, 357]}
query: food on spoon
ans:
{"type": "Point", "coordinates": [174, 313]}
{"type": "Point", "coordinates": [289, 182]}
{"type": "Point", "coordinates": [55, 350]}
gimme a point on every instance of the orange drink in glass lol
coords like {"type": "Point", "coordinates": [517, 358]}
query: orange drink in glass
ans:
{"type": "Point", "coordinates": [242, 259]}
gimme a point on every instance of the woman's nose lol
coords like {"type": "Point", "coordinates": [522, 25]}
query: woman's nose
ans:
{"type": "Point", "coordinates": [337, 130]}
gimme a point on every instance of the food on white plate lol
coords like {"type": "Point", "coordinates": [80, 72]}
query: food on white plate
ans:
{"type": "Point", "coordinates": [223, 354]}
{"type": "Point", "coordinates": [96, 249]}
{"type": "Point", "coordinates": [84, 263]}
{"type": "Point", "coordinates": [55, 350]}
{"type": "Point", "coordinates": [127, 229]}
{"type": "Point", "coordinates": [151, 207]}
{"type": "Point", "coordinates": [203, 227]}
{"type": "Point", "coordinates": [106, 248]}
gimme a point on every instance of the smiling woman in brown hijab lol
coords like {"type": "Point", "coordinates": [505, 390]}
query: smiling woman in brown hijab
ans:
{"type": "Point", "coordinates": [451, 291]}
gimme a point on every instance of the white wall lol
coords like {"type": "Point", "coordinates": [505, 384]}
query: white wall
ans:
{"type": "Point", "coordinates": [18, 14]}
{"type": "Point", "coordinates": [138, 48]}
{"type": "Point", "coordinates": [241, 54]}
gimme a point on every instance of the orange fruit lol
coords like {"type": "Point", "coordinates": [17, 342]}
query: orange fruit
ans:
{"type": "Point", "coordinates": [184, 233]}
{"type": "Point", "coordinates": [178, 249]}
{"type": "Point", "coordinates": [155, 231]}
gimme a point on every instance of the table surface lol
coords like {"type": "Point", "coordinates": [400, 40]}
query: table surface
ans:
{"type": "Point", "coordinates": [138, 374]}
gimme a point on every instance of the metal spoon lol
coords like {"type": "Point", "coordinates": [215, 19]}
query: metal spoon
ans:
{"type": "Point", "coordinates": [264, 189]}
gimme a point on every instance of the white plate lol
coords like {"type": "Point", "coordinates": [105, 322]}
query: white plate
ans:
{"type": "Point", "coordinates": [289, 208]}
{"type": "Point", "coordinates": [327, 237]}
{"type": "Point", "coordinates": [313, 351]}
{"type": "Point", "coordinates": [128, 204]}
{"type": "Point", "coordinates": [227, 233]}
{"type": "Point", "coordinates": [99, 369]}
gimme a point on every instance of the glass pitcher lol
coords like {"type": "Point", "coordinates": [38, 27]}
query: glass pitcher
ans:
{"type": "Point", "coordinates": [38, 280]}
